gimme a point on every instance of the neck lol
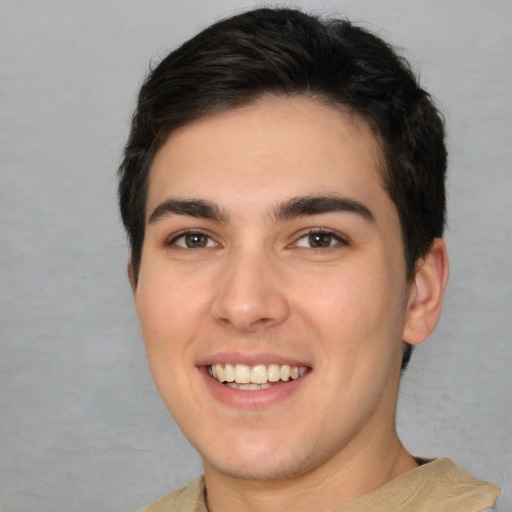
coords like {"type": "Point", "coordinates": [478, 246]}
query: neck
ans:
{"type": "Point", "coordinates": [350, 474]}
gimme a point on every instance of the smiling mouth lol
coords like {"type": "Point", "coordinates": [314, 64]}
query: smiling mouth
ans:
{"type": "Point", "coordinates": [252, 378]}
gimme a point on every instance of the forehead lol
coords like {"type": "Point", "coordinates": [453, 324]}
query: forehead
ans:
{"type": "Point", "coordinates": [271, 148]}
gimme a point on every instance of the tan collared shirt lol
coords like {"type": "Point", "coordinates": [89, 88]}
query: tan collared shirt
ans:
{"type": "Point", "coordinates": [439, 486]}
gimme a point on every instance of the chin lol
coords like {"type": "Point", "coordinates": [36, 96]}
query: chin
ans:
{"type": "Point", "coordinates": [259, 467]}
{"type": "Point", "coordinates": [259, 473]}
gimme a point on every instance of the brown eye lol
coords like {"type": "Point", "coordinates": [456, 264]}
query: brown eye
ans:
{"type": "Point", "coordinates": [320, 240]}
{"type": "Point", "coordinates": [193, 241]}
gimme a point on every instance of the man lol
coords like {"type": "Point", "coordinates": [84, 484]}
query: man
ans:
{"type": "Point", "coordinates": [283, 193]}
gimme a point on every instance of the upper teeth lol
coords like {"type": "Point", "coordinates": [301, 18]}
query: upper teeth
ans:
{"type": "Point", "coordinates": [258, 374]}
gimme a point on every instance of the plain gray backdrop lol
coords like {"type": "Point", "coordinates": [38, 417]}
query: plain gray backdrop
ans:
{"type": "Point", "coordinates": [81, 425]}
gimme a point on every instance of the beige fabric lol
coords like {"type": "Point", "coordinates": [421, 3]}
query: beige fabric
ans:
{"type": "Point", "coordinates": [439, 486]}
{"type": "Point", "coordinates": [186, 499]}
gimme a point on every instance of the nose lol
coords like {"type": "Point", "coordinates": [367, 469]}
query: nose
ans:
{"type": "Point", "coordinates": [250, 294]}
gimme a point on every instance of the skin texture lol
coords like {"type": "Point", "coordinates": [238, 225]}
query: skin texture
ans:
{"type": "Point", "coordinates": [257, 291]}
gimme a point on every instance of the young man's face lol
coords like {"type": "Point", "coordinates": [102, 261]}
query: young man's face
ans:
{"type": "Point", "coordinates": [271, 248]}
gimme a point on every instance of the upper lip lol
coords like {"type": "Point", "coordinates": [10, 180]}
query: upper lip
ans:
{"type": "Point", "coordinates": [252, 359]}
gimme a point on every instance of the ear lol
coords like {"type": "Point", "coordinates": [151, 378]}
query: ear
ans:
{"type": "Point", "coordinates": [131, 276]}
{"type": "Point", "coordinates": [427, 293]}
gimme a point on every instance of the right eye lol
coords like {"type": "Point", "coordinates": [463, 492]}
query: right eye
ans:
{"type": "Point", "coordinates": [193, 240]}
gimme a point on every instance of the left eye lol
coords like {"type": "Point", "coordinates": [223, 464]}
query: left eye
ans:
{"type": "Point", "coordinates": [193, 241]}
{"type": "Point", "coordinates": [318, 240]}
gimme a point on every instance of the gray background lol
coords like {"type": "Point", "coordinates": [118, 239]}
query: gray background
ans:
{"type": "Point", "coordinates": [81, 425]}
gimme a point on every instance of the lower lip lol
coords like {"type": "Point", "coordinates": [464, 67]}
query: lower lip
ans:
{"type": "Point", "coordinates": [252, 399]}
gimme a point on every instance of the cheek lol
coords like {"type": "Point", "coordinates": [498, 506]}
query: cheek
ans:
{"type": "Point", "coordinates": [357, 306]}
{"type": "Point", "coordinates": [168, 303]}
{"type": "Point", "coordinates": [167, 316]}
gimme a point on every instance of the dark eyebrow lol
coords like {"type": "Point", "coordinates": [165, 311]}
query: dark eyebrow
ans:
{"type": "Point", "coordinates": [313, 205]}
{"type": "Point", "coordinates": [189, 207]}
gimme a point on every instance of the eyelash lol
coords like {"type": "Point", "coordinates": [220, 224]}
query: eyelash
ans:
{"type": "Point", "coordinates": [335, 239]}
{"type": "Point", "coordinates": [183, 234]}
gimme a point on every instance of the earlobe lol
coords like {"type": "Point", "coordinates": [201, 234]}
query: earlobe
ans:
{"type": "Point", "coordinates": [427, 293]}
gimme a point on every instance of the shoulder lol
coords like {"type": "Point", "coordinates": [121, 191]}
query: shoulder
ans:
{"type": "Point", "coordinates": [444, 476]}
{"type": "Point", "coordinates": [438, 485]}
{"type": "Point", "coordinates": [186, 499]}
{"type": "Point", "coordinates": [443, 485]}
